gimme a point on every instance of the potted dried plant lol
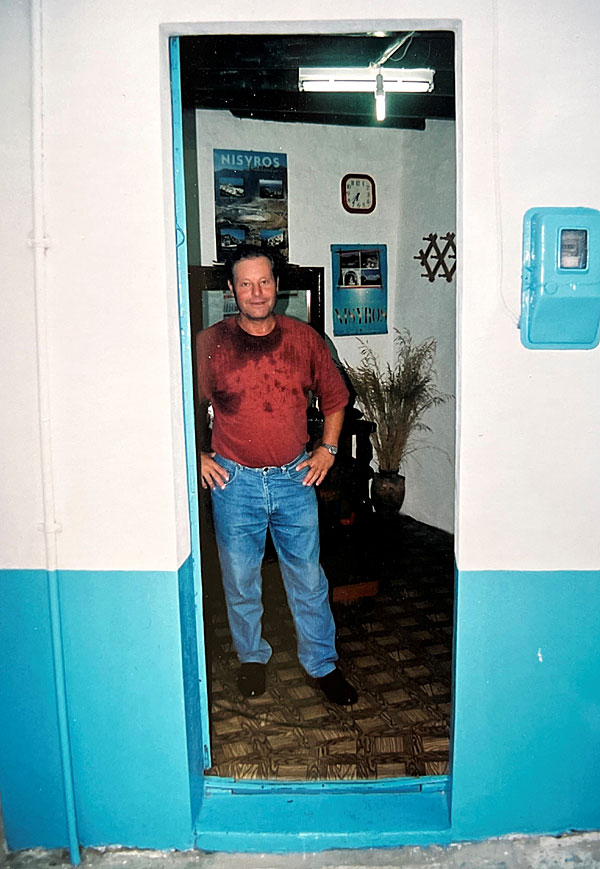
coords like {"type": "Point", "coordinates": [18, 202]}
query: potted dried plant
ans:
{"type": "Point", "coordinates": [396, 399]}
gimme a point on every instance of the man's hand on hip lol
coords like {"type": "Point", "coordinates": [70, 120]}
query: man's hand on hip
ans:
{"type": "Point", "coordinates": [318, 463]}
{"type": "Point", "coordinates": [213, 474]}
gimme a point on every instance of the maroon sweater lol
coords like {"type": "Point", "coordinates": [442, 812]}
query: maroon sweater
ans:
{"type": "Point", "coordinates": [258, 387]}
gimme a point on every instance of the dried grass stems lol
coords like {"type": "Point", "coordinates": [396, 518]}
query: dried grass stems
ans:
{"type": "Point", "coordinates": [397, 397]}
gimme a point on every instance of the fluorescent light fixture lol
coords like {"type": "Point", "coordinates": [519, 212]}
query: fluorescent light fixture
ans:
{"type": "Point", "coordinates": [321, 79]}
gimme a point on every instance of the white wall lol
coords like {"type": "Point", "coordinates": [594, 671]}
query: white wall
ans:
{"type": "Point", "coordinates": [114, 374]}
{"type": "Point", "coordinates": [427, 204]}
{"type": "Point", "coordinates": [529, 493]}
{"type": "Point", "coordinates": [529, 421]}
{"type": "Point", "coordinates": [416, 183]}
{"type": "Point", "coordinates": [21, 543]}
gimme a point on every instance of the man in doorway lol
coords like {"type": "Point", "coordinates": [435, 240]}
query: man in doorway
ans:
{"type": "Point", "coordinates": [257, 369]}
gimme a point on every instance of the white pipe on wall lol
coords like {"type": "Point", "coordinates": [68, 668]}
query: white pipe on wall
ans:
{"type": "Point", "coordinates": [39, 243]}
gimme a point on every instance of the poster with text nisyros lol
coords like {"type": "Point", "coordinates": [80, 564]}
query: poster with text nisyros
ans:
{"type": "Point", "coordinates": [251, 204]}
{"type": "Point", "coordinates": [359, 292]}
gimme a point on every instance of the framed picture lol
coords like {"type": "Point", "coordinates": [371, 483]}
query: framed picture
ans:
{"type": "Point", "coordinates": [360, 268]}
{"type": "Point", "coordinates": [300, 295]}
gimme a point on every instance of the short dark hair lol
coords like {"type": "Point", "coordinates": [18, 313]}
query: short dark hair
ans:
{"type": "Point", "coordinates": [250, 251]}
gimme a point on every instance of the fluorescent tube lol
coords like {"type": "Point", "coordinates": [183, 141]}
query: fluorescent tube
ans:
{"type": "Point", "coordinates": [316, 79]}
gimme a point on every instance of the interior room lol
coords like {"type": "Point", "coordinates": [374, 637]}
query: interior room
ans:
{"type": "Point", "coordinates": [391, 570]}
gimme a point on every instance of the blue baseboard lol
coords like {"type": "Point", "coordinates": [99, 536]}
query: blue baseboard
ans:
{"type": "Point", "coordinates": [526, 729]}
{"type": "Point", "coordinates": [526, 755]}
{"type": "Point", "coordinates": [33, 799]}
{"type": "Point", "coordinates": [126, 708]}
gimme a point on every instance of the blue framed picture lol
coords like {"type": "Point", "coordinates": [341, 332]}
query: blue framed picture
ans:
{"type": "Point", "coordinates": [359, 276]}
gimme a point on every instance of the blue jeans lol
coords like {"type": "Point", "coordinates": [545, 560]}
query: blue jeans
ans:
{"type": "Point", "coordinates": [253, 500]}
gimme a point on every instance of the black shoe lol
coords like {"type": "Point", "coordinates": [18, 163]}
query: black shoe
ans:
{"type": "Point", "coordinates": [337, 689]}
{"type": "Point", "coordinates": [252, 679]}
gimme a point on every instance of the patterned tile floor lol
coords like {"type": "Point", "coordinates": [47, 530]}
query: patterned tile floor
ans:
{"type": "Point", "coordinates": [394, 647]}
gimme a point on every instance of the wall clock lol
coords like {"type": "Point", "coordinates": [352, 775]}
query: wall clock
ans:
{"type": "Point", "coordinates": [358, 193]}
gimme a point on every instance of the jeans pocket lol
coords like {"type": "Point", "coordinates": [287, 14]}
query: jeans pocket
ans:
{"type": "Point", "coordinates": [228, 466]}
{"type": "Point", "coordinates": [298, 476]}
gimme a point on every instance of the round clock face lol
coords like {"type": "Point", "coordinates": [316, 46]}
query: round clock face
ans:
{"type": "Point", "coordinates": [358, 193]}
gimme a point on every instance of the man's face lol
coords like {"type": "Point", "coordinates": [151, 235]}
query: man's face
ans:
{"type": "Point", "coordinates": [254, 287]}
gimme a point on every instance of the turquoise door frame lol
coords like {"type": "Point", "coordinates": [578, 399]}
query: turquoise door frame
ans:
{"type": "Point", "coordinates": [232, 814]}
{"type": "Point", "coordinates": [193, 575]}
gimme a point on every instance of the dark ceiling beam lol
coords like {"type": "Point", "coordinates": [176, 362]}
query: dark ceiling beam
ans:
{"type": "Point", "coordinates": [401, 105]}
{"type": "Point", "coordinates": [395, 123]}
{"type": "Point", "coordinates": [433, 48]}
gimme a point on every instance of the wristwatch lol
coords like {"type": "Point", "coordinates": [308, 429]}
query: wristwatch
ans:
{"type": "Point", "coordinates": [330, 448]}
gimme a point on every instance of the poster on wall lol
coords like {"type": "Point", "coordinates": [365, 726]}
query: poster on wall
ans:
{"type": "Point", "coordinates": [359, 275]}
{"type": "Point", "coordinates": [250, 200]}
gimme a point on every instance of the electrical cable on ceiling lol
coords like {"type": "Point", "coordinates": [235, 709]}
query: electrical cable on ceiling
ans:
{"type": "Point", "coordinates": [393, 48]}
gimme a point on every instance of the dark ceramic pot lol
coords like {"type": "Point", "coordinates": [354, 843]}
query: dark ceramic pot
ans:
{"type": "Point", "coordinates": [387, 492]}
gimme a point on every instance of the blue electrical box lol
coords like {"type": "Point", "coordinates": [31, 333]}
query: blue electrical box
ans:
{"type": "Point", "coordinates": [560, 281]}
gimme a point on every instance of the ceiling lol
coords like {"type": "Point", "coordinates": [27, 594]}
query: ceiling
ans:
{"type": "Point", "coordinates": [257, 76]}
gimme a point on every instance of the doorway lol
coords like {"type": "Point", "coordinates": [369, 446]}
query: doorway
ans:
{"type": "Point", "coordinates": [395, 642]}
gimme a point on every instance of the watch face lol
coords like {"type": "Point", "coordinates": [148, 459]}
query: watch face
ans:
{"type": "Point", "coordinates": [330, 449]}
{"type": "Point", "coordinates": [358, 193]}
